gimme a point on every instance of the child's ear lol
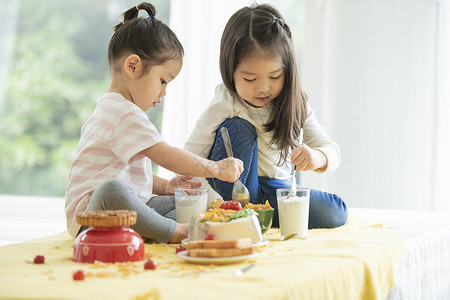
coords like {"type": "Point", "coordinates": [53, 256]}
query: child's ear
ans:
{"type": "Point", "coordinates": [132, 65]}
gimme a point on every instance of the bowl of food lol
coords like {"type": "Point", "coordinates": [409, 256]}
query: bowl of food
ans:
{"type": "Point", "coordinates": [265, 212]}
{"type": "Point", "coordinates": [265, 215]}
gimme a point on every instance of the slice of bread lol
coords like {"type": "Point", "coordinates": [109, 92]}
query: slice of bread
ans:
{"type": "Point", "coordinates": [216, 252]}
{"type": "Point", "coordinates": [208, 244]}
{"type": "Point", "coordinates": [224, 248]}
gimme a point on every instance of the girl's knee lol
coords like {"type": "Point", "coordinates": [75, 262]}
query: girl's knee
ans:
{"type": "Point", "coordinates": [337, 217]}
{"type": "Point", "coordinates": [239, 128]}
{"type": "Point", "coordinates": [111, 191]}
{"type": "Point", "coordinates": [327, 211]}
{"type": "Point", "coordinates": [111, 188]}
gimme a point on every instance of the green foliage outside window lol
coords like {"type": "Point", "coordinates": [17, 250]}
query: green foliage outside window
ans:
{"type": "Point", "coordinates": [58, 71]}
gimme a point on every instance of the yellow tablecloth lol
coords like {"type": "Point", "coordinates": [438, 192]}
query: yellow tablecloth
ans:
{"type": "Point", "coordinates": [355, 261]}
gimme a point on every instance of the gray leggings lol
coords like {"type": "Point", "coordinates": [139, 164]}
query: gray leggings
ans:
{"type": "Point", "coordinates": [155, 219]}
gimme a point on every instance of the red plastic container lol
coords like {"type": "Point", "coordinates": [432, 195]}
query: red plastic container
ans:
{"type": "Point", "coordinates": [109, 245]}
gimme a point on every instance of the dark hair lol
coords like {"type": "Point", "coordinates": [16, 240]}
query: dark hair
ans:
{"type": "Point", "coordinates": [262, 29]}
{"type": "Point", "coordinates": [149, 38]}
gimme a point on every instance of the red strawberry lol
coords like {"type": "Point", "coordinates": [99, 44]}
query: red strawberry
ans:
{"type": "Point", "coordinates": [210, 237]}
{"type": "Point", "coordinates": [179, 249]}
{"type": "Point", "coordinates": [150, 265]}
{"type": "Point", "coordinates": [79, 275]}
{"type": "Point", "coordinates": [39, 259]}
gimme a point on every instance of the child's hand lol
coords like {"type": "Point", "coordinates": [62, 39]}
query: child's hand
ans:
{"type": "Point", "coordinates": [305, 158]}
{"type": "Point", "coordinates": [229, 169]}
{"type": "Point", "coordinates": [180, 182]}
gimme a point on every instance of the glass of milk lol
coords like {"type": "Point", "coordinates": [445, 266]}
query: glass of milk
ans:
{"type": "Point", "coordinates": [293, 212]}
{"type": "Point", "coordinates": [189, 202]}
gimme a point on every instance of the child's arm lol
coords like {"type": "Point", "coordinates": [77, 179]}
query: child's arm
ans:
{"type": "Point", "coordinates": [183, 162]}
{"type": "Point", "coordinates": [163, 186]}
{"type": "Point", "coordinates": [159, 185]}
{"type": "Point", "coordinates": [322, 152]}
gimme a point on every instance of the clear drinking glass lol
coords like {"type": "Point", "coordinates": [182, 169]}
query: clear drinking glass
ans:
{"type": "Point", "coordinates": [293, 212]}
{"type": "Point", "coordinates": [189, 202]}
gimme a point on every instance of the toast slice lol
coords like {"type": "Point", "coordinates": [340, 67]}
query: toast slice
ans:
{"type": "Point", "coordinates": [217, 252]}
{"type": "Point", "coordinates": [226, 244]}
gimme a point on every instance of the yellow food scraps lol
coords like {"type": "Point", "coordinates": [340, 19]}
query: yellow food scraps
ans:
{"type": "Point", "coordinates": [265, 206]}
{"type": "Point", "coordinates": [218, 215]}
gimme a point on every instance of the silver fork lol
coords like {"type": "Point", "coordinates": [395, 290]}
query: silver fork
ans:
{"type": "Point", "coordinates": [240, 192]}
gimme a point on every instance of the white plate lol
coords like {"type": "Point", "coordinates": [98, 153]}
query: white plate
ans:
{"type": "Point", "coordinates": [214, 260]}
{"type": "Point", "coordinates": [263, 242]}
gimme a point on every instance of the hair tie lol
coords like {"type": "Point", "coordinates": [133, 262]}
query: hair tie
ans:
{"type": "Point", "coordinates": [275, 19]}
{"type": "Point", "coordinates": [151, 17]}
{"type": "Point", "coordinates": [123, 21]}
{"type": "Point", "coordinates": [137, 8]}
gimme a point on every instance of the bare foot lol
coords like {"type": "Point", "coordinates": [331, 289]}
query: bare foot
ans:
{"type": "Point", "coordinates": [181, 232]}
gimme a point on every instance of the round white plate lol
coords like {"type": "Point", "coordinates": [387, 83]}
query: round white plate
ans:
{"type": "Point", "coordinates": [214, 260]}
{"type": "Point", "coordinates": [263, 242]}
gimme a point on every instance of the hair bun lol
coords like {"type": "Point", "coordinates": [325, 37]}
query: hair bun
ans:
{"type": "Point", "coordinates": [149, 8]}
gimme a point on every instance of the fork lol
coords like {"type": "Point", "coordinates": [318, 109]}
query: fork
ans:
{"type": "Point", "coordinates": [240, 192]}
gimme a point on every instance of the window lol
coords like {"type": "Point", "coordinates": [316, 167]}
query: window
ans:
{"type": "Point", "coordinates": [53, 70]}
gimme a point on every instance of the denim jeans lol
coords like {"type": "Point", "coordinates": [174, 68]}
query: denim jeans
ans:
{"type": "Point", "coordinates": [325, 210]}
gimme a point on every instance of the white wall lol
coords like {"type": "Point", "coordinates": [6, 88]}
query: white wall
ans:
{"type": "Point", "coordinates": [372, 65]}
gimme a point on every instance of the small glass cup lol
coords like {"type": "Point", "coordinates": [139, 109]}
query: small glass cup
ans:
{"type": "Point", "coordinates": [293, 212]}
{"type": "Point", "coordinates": [188, 202]}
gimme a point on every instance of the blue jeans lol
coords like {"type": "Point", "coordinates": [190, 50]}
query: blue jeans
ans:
{"type": "Point", "coordinates": [325, 210]}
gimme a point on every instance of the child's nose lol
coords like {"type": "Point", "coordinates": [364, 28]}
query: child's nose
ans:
{"type": "Point", "coordinates": [263, 86]}
{"type": "Point", "coordinates": [163, 92]}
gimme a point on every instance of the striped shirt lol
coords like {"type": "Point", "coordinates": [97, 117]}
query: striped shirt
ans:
{"type": "Point", "coordinates": [109, 148]}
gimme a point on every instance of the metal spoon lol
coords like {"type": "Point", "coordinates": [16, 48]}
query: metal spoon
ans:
{"type": "Point", "coordinates": [240, 192]}
{"type": "Point", "coordinates": [289, 236]}
{"type": "Point", "coordinates": [293, 190]}
{"type": "Point", "coordinates": [239, 272]}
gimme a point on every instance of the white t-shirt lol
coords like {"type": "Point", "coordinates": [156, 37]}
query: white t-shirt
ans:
{"type": "Point", "coordinates": [109, 148]}
{"type": "Point", "coordinates": [226, 105]}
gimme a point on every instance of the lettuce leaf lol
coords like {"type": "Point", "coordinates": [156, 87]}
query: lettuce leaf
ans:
{"type": "Point", "coordinates": [243, 213]}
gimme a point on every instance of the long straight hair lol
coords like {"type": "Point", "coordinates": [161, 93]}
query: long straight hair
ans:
{"type": "Point", "coordinates": [262, 29]}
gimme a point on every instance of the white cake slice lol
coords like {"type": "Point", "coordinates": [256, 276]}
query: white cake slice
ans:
{"type": "Point", "coordinates": [228, 228]}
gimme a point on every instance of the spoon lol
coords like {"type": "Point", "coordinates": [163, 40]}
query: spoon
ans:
{"type": "Point", "coordinates": [240, 192]}
{"type": "Point", "coordinates": [289, 236]}
{"type": "Point", "coordinates": [239, 272]}
{"type": "Point", "coordinates": [293, 190]}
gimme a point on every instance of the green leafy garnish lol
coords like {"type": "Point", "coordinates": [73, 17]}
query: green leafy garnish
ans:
{"type": "Point", "coordinates": [243, 213]}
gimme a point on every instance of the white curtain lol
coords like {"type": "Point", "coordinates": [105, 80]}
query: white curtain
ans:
{"type": "Point", "coordinates": [376, 72]}
{"type": "Point", "coordinates": [442, 158]}
{"type": "Point", "coordinates": [198, 25]}
{"type": "Point", "coordinates": [379, 71]}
